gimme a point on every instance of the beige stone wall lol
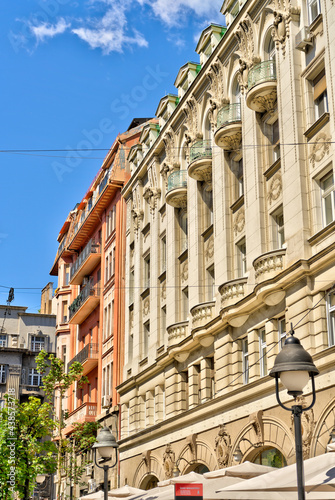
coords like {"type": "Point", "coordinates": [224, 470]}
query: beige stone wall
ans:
{"type": "Point", "coordinates": [186, 391]}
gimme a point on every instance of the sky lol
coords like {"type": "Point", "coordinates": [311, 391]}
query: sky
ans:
{"type": "Point", "coordinates": [74, 75]}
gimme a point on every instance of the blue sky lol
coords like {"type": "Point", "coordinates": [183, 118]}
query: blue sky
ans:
{"type": "Point", "coordinates": [74, 74]}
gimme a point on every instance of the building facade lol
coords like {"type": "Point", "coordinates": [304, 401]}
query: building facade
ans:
{"type": "Point", "coordinates": [90, 268]}
{"type": "Point", "coordinates": [230, 241]}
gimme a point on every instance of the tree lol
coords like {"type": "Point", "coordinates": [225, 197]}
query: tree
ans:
{"type": "Point", "coordinates": [57, 380]}
{"type": "Point", "coordinates": [24, 447]}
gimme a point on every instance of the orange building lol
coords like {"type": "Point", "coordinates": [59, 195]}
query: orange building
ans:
{"type": "Point", "coordinates": [90, 265]}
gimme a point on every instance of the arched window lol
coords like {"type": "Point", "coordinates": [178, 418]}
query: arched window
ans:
{"type": "Point", "coordinates": [236, 92]}
{"type": "Point", "coordinates": [270, 50]}
{"type": "Point", "coordinates": [149, 482]}
{"type": "Point", "coordinates": [271, 457]}
{"type": "Point", "coordinates": [208, 130]}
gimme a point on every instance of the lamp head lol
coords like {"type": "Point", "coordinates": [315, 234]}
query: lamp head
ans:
{"type": "Point", "coordinates": [106, 443]}
{"type": "Point", "coordinates": [294, 365]}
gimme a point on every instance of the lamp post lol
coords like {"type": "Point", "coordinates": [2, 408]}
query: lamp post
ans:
{"type": "Point", "coordinates": [237, 455]}
{"type": "Point", "coordinates": [40, 478]}
{"type": "Point", "coordinates": [176, 471]}
{"type": "Point", "coordinates": [107, 447]}
{"type": "Point", "coordinates": [294, 366]}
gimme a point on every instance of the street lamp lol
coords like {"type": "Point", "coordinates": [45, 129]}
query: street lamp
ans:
{"type": "Point", "coordinates": [40, 478]}
{"type": "Point", "coordinates": [237, 455]}
{"type": "Point", "coordinates": [294, 366]}
{"type": "Point", "coordinates": [107, 447]}
{"type": "Point", "coordinates": [176, 471]}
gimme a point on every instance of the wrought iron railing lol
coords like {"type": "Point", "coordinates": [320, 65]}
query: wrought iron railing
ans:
{"type": "Point", "coordinates": [229, 114]}
{"type": "Point", "coordinates": [177, 179]}
{"type": "Point", "coordinates": [262, 72]}
{"type": "Point", "coordinates": [90, 248]}
{"type": "Point", "coordinates": [87, 291]}
{"type": "Point", "coordinates": [90, 351]}
{"type": "Point", "coordinates": [200, 149]}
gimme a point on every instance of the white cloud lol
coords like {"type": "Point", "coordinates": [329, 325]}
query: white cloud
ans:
{"type": "Point", "coordinates": [47, 30]}
{"type": "Point", "coordinates": [110, 33]}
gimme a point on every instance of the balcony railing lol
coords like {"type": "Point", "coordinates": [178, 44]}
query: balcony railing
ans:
{"type": "Point", "coordinates": [229, 114]}
{"type": "Point", "coordinates": [90, 248]}
{"type": "Point", "coordinates": [177, 179]}
{"type": "Point", "coordinates": [90, 351]}
{"type": "Point", "coordinates": [86, 292]}
{"type": "Point", "coordinates": [262, 72]}
{"type": "Point", "coordinates": [200, 149]}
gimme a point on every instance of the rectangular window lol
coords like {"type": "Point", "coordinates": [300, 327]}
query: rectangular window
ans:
{"type": "Point", "coordinates": [278, 229]}
{"type": "Point", "coordinates": [66, 274]}
{"type": "Point", "coordinates": [331, 318]}
{"type": "Point", "coordinates": [245, 360]}
{"type": "Point", "coordinates": [281, 331]}
{"type": "Point", "coordinates": [64, 354]}
{"type": "Point", "coordinates": [163, 322]}
{"type": "Point", "coordinates": [328, 202]}
{"type": "Point", "coordinates": [163, 254]}
{"type": "Point", "coordinates": [37, 343]}
{"type": "Point", "coordinates": [275, 141]}
{"type": "Point", "coordinates": [241, 258]}
{"type": "Point", "coordinates": [3, 341]}
{"type": "Point", "coordinates": [320, 94]}
{"type": "Point", "coordinates": [313, 10]}
{"type": "Point", "coordinates": [146, 335]}
{"type": "Point", "coordinates": [210, 284]}
{"type": "Point", "coordinates": [64, 312]}
{"type": "Point", "coordinates": [262, 352]}
{"type": "Point", "coordinates": [2, 374]}
{"type": "Point", "coordinates": [131, 285]}
{"type": "Point", "coordinates": [184, 304]}
{"type": "Point", "coordinates": [146, 272]}
{"type": "Point", "coordinates": [34, 377]}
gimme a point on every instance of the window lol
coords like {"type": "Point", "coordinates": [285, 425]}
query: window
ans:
{"type": "Point", "coordinates": [131, 285]}
{"type": "Point", "coordinates": [163, 254]}
{"type": "Point", "coordinates": [207, 199]}
{"type": "Point", "coordinates": [66, 274]}
{"type": "Point", "coordinates": [210, 284]}
{"type": "Point", "coordinates": [278, 229]}
{"type": "Point", "coordinates": [34, 378]}
{"type": "Point", "coordinates": [237, 169]}
{"type": "Point", "coordinates": [3, 341]}
{"type": "Point", "coordinates": [37, 343]}
{"type": "Point", "coordinates": [313, 10]}
{"type": "Point", "coordinates": [241, 258]}
{"type": "Point", "coordinates": [245, 361]}
{"type": "Point", "coordinates": [320, 94]}
{"type": "Point", "coordinates": [64, 312]}
{"type": "Point", "coordinates": [146, 270]}
{"type": "Point", "coordinates": [146, 335]}
{"type": "Point", "coordinates": [327, 193]}
{"type": "Point", "coordinates": [331, 318]}
{"type": "Point", "coordinates": [262, 352]}
{"type": "Point", "coordinates": [182, 220]}
{"type": "Point", "coordinates": [64, 355]}
{"type": "Point", "coordinates": [2, 374]}
{"type": "Point", "coordinates": [275, 141]}
{"type": "Point", "coordinates": [163, 322]}
{"type": "Point", "coordinates": [184, 304]}
{"type": "Point", "coordinates": [281, 331]}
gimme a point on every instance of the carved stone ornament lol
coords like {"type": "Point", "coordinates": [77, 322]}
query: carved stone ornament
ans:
{"type": "Point", "coordinates": [191, 442]}
{"type": "Point", "coordinates": [283, 13]}
{"type": "Point", "coordinates": [266, 102]}
{"type": "Point", "coordinates": [239, 221]}
{"type": "Point", "coordinates": [192, 116]}
{"type": "Point", "coordinates": [147, 459]}
{"type": "Point", "coordinates": [216, 79]}
{"type": "Point", "coordinates": [319, 149]}
{"type": "Point", "coordinates": [222, 446]}
{"type": "Point", "coordinates": [209, 248]}
{"type": "Point", "coordinates": [275, 188]}
{"type": "Point", "coordinates": [184, 271]}
{"type": "Point", "coordinates": [151, 195]}
{"type": "Point", "coordinates": [137, 217]}
{"type": "Point", "coordinates": [307, 424]}
{"type": "Point", "coordinates": [146, 306]}
{"type": "Point", "coordinates": [168, 461]}
{"type": "Point", "coordinates": [245, 38]}
{"type": "Point", "coordinates": [256, 420]}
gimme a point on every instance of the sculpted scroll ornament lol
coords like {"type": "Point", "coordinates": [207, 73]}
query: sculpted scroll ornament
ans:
{"type": "Point", "coordinates": [319, 149]}
{"type": "Point", "coordinates": [222, 446]}
{"type": "Point", "coordinates": [283, 13]}
{"type": "Point", "coordinates": [151, 195]}
{"type": "Point", "coordinates": [275, 188]}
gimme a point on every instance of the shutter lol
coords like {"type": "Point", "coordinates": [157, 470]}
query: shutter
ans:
{"type": "Point", "coordinates": [319, 84]}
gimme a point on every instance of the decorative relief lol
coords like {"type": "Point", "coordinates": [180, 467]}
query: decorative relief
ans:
{"type": "Point", "coordinates": [222, 446]}
{"type": "Point", "coordinates": [232, 291]}
{"type": "Point", "coordinates": [146, 306]}
{"type": "Point", "coordinates": [147, 459]}
{"type": "Point", "coordinates": [216, 79]}
{"type": "Point", "coordinates": [169, 458]}
{"type": "Point", "coordinates": [307, 424]}
{"type": "Point", "coordinates": [319, 149]}
{"type": "Point", "coordinates": [209, 248]}
{"type": "Point", "coordinates": [275, 188]}
{"type": "Point", "coordinates": [283, 13]}
{"type": "Point", "coordinates": [191, 442]}
{"type": "Point", "coordinates": [192, 117]}
{"type": "Point", "coordinates": [265, 102]}
{"type": "Point", "coordinates": [151, 195]}
{"type": "Point", "coordinates": [138, 215]}
{"type": "Point", "coordinates": [239, 221]}
{"type": "Point", "coordinates": [246, 48]}
{"type": "Point", "coordinates": [184, 271]}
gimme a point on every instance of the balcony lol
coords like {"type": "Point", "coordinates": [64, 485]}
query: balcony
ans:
{"type": "Point", "coordinates": [200, 167]}
{"type": "Point", "coordinates": [87, 260]}
{"type": "Point", "coordinates": [87, 412]}
{"type": "Point", "coordinates": [229, 127]}
{"type": "Point", "coordinates": [268, 265]}
{"type": "Point", "coordinates": [262, 87]}
{"type": "Point", "coordinates": [88, 357]}
{"type": "Point", "coordinates": [177, 333]}
{"type": "Point", "coordinates": [84, 304]}
{"type": "Point", "coordinates": [176, 194]}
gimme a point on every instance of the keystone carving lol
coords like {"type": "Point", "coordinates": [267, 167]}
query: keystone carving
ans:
{"type": "Point", "coordinates": [256, 420]}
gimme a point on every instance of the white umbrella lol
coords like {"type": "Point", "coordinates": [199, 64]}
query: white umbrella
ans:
{"type": "Point", "coordinates": [93, 496]}
{"type": "Point", "coordinates": [125, 491]}
{"type": "Point", "coordinates": [281, 483]}
{"type": "Point", "coordinates": [245, 470]}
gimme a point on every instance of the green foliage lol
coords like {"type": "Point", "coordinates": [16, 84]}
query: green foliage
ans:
{"type": "Point", "coordinates": [24, 450]}
{"type": "Point", "coordinates": [84, 435]}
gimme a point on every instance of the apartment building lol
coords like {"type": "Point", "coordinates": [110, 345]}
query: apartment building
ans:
{"type": "Point", "coordinates": [230, 240]}
{"type": "Point", "coordinates": [90, 269]}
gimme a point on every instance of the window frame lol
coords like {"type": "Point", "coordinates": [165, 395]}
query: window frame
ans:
{"type": "Point", "coordinates": [330, 320]}
{"type": "Point", "coordinates": [262, 352]}
{"type": "Point", "coordinates": [325, 194]}
{"type": "Point", "coordinates": [245, 360]}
